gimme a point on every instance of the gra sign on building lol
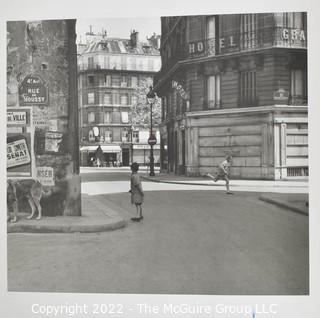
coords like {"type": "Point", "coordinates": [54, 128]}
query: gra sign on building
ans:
{"type": "Point", "coordinates": [33, 91]}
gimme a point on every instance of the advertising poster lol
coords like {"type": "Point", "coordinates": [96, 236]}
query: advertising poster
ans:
{"type": "Point", "coordinates": [19, 142]}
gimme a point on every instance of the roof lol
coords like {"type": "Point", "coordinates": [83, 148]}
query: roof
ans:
{"type": "Point", "coordinates": [120, 46]}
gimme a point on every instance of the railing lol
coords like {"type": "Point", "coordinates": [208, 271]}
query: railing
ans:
{"type": "Point", "coordinates": [297, 171]}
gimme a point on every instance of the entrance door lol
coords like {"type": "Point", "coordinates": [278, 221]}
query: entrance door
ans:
{"type": "Point", "coordinates": [125, 157]}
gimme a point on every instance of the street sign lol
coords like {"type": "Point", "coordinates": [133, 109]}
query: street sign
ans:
{"type": "Point", "coordinates": [152, 140]}
{"type": "Point", "coordinates": [33, 91]}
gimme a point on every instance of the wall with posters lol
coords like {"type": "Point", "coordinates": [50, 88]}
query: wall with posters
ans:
{"type": "Point", "coordinates": [42, 138]}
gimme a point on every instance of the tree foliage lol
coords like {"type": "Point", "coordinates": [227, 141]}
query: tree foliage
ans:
{"type": "Point", "coordinates": [141, 109]}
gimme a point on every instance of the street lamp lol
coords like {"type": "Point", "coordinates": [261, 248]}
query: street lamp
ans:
{"type": "Point", "coordinates": [151, 99]}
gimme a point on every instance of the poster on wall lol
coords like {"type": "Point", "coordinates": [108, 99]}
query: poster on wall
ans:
{"type": "Point", "coordinates": [19, 142]}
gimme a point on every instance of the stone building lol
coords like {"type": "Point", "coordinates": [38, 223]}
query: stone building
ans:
{"type": "Point", "coordinates": [42, 123]}
{"type": "Point", "coordinates": [114, 76]}
{"type": "Point", "coordinates": [235, 84]}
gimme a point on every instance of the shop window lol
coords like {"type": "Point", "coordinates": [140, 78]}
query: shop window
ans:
{"type": "Point", "coordinates": [298, 87]}
{"type": "Point", "coordinates": [213, 91]}
{"type": "Point", "coordinates": [248, 89]}
{"type": "Point", "coordinates": [108, 136]}
{"type": "Point", "coordinates": [91, 117]}
{"type": "Point", "coordinates": [90, 98]}
{"type": "Point", "coordinates": [135, 136]}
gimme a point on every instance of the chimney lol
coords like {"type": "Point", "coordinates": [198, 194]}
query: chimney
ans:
{"type": "Point", "coordinates": [134, 38]}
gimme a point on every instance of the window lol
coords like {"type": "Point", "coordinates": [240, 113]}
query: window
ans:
{"type": "Point", "coordinates": [90, 79]}
{"type": "Point", "coordinates": [108, 136]}
{"type": "Point", "coordinates": [248, 89]}
{"type": "Point", "coordinates": [124, 135]}
{"type": "Point", "coordinates": [91, 136]}
{"type": "Point", "coordinates": [90, 98]}
{"type": "Point", "coordinates": [124, 117]}
{"type": "Point", "coordinates": [123, 82]}
{"type": "Point", "coordinates": [107, 99]}
{"type": "Point", "coordinates": [124, 99]}
{"type": "Point", "coordinates": [134, 100]}
{"type": "Point", "coordinates": [298, 87]}
{"type": "Point", "coordinates": [107, 80]}
{"type": "Point", "coordinates": [134, 81]}
{"type": "Point", "coordinates": [211, 35]}
{"type": "Point", "coordinates": [248, 27]}
{"type": "Point", "coordinates": [90, 62]}
{"type": "Point", "coordinates": [135, 136]}
{"type": "Point", "coordinates": [107, 117]}
{"type": "Point", "coordinates": [213, 91]}
{"type": "Point", "coordinates": [116, 98]}
{"type": "Point", "coordinates": [91, 117]}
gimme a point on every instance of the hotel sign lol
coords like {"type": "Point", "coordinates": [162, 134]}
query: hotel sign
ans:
{"type": "Point", "coordinates": [33, 91]}
{"type": "Point", "coordinates": [226, 44]}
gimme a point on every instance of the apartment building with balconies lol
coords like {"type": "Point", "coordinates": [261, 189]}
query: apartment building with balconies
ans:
{"type": "Point", "coordinates": [235, 84]}
{"type": "Point", "coordinates": [112, 75]}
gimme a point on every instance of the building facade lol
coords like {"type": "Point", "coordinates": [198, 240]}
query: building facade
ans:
{"type": "Point", "coordinates": [42, 111]}
{"type": "Point", "coordinates": [235, 84]}
{"type": "Point", "coordinates": [114, 76]}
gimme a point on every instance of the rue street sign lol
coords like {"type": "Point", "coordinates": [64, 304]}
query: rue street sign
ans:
{"type": "Point", "coordinates": [152, 140]}
{"type": "Point", "coordinates": [33, 91]}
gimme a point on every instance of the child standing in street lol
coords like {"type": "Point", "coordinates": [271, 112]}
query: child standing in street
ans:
{"type": "Point", "coordinates": [223, 173]}
{"type": "Point", "coordinates": [136, 191]}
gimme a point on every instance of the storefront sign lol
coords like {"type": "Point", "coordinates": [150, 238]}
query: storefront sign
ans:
{"type": "Point", "coordinates": [16, 118]}
{"type": "Point", "coordinates": [45, 176]}
{"type": "Point", "coordinates": [33, 91]}
{"type": "Point", "coordinates": [180, 90]}
{"type": "Point", "coordinates": [17, 153]}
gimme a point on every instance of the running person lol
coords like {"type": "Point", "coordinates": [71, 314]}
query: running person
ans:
{"type": "Point", "coordinates": [223, 173]}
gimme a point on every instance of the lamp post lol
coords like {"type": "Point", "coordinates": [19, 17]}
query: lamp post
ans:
{"type": "Point", "coordinates": [151, 99]}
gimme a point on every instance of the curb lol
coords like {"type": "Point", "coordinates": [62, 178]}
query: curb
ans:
{"type": "Point", "coordinates": [283, 205]}
{"type": "Point", "coordinates": [116, 224]}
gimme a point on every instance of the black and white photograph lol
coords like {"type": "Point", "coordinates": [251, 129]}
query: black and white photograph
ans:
{"type": "Point", "coordinates": [160, 155]}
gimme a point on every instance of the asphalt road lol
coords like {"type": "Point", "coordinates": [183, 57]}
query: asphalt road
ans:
{"type": "Point", "coordinates": [190, 242]}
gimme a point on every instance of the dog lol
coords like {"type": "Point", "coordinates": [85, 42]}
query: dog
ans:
{"type": "Point", "coordinates": [31, 190]}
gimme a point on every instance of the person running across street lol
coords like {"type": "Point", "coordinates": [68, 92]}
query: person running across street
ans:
{"type": "Point", "coordinates": [137, 194]}
{"type": "Point", "coordinates": [223, 173]}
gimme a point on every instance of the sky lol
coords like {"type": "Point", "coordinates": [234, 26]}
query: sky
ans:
{"type": "Point", "coordinates": [119, 27]}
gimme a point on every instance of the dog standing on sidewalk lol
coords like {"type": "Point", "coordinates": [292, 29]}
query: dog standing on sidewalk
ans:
{"type": "Point", "coordinates": [31, 190]}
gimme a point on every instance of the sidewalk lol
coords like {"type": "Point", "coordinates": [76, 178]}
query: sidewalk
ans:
{"type": "Point", "coordinates": [296, 202]}
{"type": "Point", "coordinates": [96, 217]}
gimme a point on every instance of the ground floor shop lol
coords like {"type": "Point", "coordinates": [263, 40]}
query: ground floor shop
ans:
{"type": "Point", "coordinates": [269, 142]}
{"type": "Point", "coordinates": [118, 155]}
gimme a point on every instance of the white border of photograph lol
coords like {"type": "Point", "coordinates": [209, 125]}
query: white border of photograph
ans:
{"type": "Point", "coordinates": [19, 304]}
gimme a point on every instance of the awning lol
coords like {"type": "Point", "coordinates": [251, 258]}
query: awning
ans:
{"type": "Point", "coordinates": [105, 149]}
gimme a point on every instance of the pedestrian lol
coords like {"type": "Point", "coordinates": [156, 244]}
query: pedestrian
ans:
{"type": "Point", "coordinates": [136, 191]}
{"type": "Point", "coordinates": [223, 172]}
